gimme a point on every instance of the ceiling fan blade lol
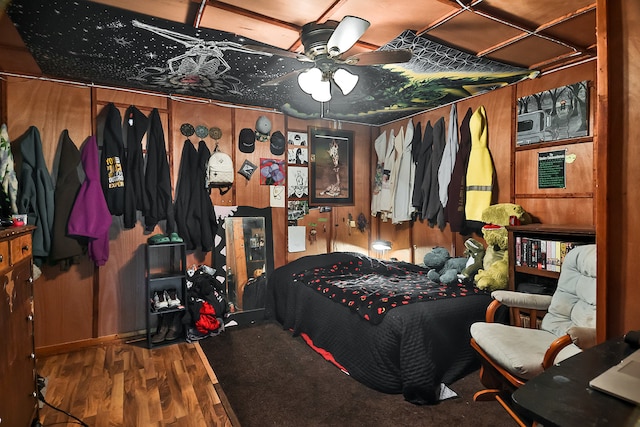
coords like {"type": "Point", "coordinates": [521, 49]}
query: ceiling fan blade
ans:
{"type": "Point", "coordinates": [277, 51]}
{"type": "Point", "coordinates": [379, 57]}
{"type": "Point", "coordinates": [278, 80]}
{"type": "Point", "coordinates": [346, 34]}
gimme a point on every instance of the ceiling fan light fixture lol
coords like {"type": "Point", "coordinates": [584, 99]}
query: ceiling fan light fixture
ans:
{"type": "Point", "coordinates": [322, 91]}
{"type": "Point", "coordinates": [309, 79]}
{"type": "Point", "coordinates": [345, 80]}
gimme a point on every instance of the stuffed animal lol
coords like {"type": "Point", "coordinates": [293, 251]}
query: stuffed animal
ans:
{"type": "Point", "coordinates": [442, 267]}
{"type": "Point", "coordinates": [494, 275]}
{"type": "Point", "coordinates": [500, 214]}
{"type": "Point", "coordinates": [474, 251]}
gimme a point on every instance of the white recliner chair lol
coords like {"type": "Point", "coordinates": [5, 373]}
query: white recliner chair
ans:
{"type": "Point", "coordinates": [511, 355]}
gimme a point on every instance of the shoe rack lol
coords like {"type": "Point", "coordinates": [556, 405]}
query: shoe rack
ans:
{"type": "Point", "coordinates": [166, 291]}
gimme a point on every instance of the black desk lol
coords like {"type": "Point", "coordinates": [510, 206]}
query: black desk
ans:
{"type": "Point", "coordinates": [561, 395]}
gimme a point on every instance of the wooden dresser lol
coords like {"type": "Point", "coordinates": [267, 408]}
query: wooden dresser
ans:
{"type": "Point", "coordinates": [18, 404]}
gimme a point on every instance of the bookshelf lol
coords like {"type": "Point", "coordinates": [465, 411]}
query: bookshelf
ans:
{"type": "Point", "coordinates": [531, 269]}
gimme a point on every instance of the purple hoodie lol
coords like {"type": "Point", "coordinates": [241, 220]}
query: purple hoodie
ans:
{"type": "Point", "coordinates": [90, 216]}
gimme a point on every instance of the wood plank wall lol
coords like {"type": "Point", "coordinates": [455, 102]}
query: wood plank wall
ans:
{"type": "Point", "coordinates": [516, 168]}
{"type": "Point", "coordinates": [87, 303]}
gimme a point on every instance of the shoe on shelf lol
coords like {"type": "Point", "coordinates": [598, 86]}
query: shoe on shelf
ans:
{"type": "Point", "coordinates": [172, 298]}
{"type": "Point", "coordinates": [158, 239]}
{"type": "Point", "coordinates": [163, 328]}
{"type": "Point", "coordinates": [160, 300]}
{"type": "Point", "coordinates": [175, 328]}
{"type": "Point", "coordinates": [174, 238]}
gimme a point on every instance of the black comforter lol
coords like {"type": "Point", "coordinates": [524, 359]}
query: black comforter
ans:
{"type": "Point", "coordinates": [414, 348]}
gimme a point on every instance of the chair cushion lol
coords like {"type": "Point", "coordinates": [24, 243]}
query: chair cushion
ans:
{"type": "Point", "coordinates": [574, 301]}
{"type": "Point", "coordinates": [519, 350]}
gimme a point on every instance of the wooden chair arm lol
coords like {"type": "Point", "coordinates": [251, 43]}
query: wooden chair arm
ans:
{"type": "Point", "coordinates": [556, 346]}
{"type": "Point", "coordinates": [491, 311]}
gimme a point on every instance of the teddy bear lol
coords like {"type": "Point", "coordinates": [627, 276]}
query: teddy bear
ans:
{"type": "Point", "coordinates": [495, 265]}
{"type": "Point", "coordinates": [494, 273]}
{"type": "Point", "coordinates": [442, 267]}
{"type": "Point", "coordinates": [501, 214]}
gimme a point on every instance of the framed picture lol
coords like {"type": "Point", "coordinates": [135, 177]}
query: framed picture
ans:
{"type": "Point", "coordinates": [297, 138]}
{"type": "Point", "coordinates": [555, 114]}
{"type": "Point", "coordinates": [331, 166]}
{"type": "Point", "coordinates": [298, 182]}
{"type": "Point", "coordinates": [298, 156]}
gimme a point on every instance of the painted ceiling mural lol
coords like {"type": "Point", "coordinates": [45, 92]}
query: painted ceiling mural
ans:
{"type": "Point", "coordinates": [94, 43]}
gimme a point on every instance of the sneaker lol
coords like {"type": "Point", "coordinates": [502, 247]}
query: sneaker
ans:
{"type": "Point", "coordinates": [172, 298]}
{"type": "Point", "coordinates": [160, 300]}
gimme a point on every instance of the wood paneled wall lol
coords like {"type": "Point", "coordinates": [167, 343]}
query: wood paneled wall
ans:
{"type": "Point", "coordinates": [87, 303]}
{"type": "Point", "coordinates": [516, 168]}
{"type": "Point", "coordinates": [617, 173]}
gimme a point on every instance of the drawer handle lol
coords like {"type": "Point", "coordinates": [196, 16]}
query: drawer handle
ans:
{"type": "Point", "coordinates": [25, 248]}
{"type": "Point", "coordinates": [1, 258]}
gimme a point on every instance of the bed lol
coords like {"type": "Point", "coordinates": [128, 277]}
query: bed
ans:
{"type": "Point", "coordinates": [384, 323]}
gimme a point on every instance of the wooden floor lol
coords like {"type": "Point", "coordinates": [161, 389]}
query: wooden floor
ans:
{"type": "Point", "coordinates": [129, 385]}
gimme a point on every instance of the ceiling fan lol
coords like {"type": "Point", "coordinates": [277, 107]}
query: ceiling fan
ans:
{"type": "Point", "coordinates": [324, 46]}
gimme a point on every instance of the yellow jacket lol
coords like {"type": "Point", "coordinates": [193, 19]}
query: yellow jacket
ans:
{"type": "Point", "coordinates": [480, 169]}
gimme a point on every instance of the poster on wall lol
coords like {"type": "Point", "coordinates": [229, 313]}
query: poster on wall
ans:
{"type": "Point", "coordinates": [331, 161]}
{"type": "Point", "coordinates": [554, 114]}
{"type": "Point", "coordinates": [551, 169]}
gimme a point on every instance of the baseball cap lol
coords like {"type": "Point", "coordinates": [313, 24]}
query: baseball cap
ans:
{"type": "Point", "coordinates": [277, 143]}
{"type": "Point", "coordinates": [247, 141]}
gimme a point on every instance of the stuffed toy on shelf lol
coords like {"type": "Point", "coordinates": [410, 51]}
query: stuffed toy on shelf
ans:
{"type": "Point", "coordinates": [494, 273]}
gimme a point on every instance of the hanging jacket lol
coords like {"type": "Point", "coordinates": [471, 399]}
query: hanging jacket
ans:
{"type": "Point", "coordinates": [8, 177]}
{"type": "Point", "coordinates": [480, 170]}
{"type": "Point", "coordinates": [35, 193]}
{"type": "Point", "coordinates": [402, 208]}
{"type": "Point", "coordinates": [135, 125]}
{"type": "Point", "coordinates": [424, 158]}
{"type": "Point", "coordinates": [380, 147]}
{"type": "Point", "coordinates": [112, 155]}
{"type": "Point", "coordinates": [186, 206]}
{"type": "Point", "coordinates": [90, 216]}
{"type": "Point", "coordinates": [431, 206]}
{"type": "Point", "coordinates": [448, 157]}
{"type": "Point", "coordinates": [208, 223]}
{"type": "Point", "coordinates": [68, 173]}
{"type": "Point", "coordinates": [457, 185]}
{"type": "Point", "coordinates": [157, 178]}
{"type": "Point", "coordinates": [386, 198]}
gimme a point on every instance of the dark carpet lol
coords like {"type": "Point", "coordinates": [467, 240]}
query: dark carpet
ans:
{"type": "Point", "coordinates": [273, 379]}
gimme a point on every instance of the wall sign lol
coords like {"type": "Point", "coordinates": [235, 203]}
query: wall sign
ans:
{"type": "Point", "coordinates": [551, 169]}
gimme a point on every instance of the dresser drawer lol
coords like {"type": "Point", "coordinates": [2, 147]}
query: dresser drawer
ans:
{"type": "Point", "coordinates": [20, 248]}
{"type": "Point", "coordinates": [4, 256]}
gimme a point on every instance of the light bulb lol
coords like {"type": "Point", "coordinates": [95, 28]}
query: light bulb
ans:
{"type": "Point", "coordinates": [345, 80]}
{"type": "Point", "coordinates": [322, 91]}
{"type": "Point", "coordinates": [309, 79]}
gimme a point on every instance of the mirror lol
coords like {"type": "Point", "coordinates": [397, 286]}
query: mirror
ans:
{"type": "Point", "coordinates": [246, 263]}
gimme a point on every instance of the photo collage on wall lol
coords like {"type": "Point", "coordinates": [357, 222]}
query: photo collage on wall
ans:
{"type": "Point", "coordinates": [298, 175]}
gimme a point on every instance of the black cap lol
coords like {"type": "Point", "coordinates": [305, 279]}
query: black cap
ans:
{"type": "Point", "coordinates": [247, 140]}
{"type": "Point", "coordinates": [277, 143]}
